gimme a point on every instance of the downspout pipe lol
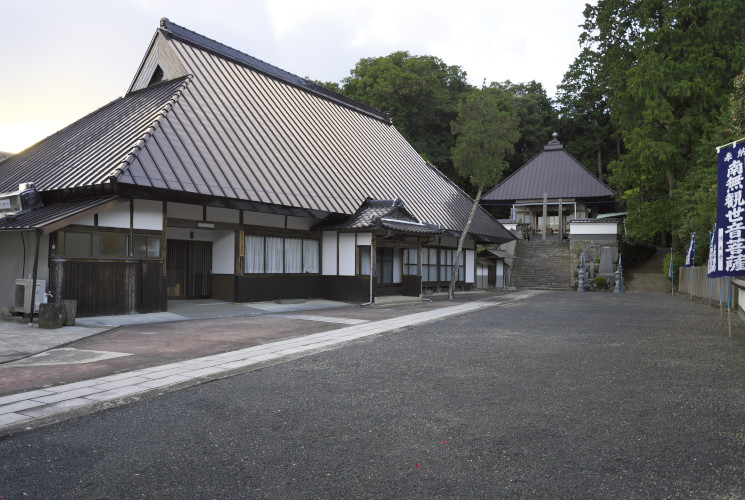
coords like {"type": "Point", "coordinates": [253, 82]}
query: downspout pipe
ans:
{"type": "Point", "coordinates": [33, 277]}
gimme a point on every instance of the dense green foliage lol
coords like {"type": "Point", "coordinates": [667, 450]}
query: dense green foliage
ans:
{"type": "Point", "coordinates": [667, 69]}
{"type": "Point", "coordinates": [421, 94]}
{"type": "Point", "coordinates": [652, 92]}
{"type": "Point", "coordinates": [486, 131]}
{"type": "Point", "coordinates": [537, 120]}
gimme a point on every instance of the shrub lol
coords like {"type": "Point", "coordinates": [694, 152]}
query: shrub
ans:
{"type": "Point", "coordinates": [678, 260]}
{"type": "Point", "coordinates": [601, 281]}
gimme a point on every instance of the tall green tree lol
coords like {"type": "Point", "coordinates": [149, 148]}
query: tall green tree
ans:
{"type": "Point", "coordinates": [669, 66]}
{"type": "Point", "coordinates": [421, 93]}
{"type": "Point", "coordinates": [486, 132]}
{"type": "Point", "coordinates": [584, 114]}
{"type": "Point", "coordinates": [537, 120]}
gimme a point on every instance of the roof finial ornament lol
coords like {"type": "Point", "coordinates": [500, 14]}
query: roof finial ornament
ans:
{"type": "Point", "coordinates": [553, 144]}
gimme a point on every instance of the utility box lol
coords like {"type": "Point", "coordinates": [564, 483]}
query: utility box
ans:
{"type": "Point", "coordinates": [24, 295]}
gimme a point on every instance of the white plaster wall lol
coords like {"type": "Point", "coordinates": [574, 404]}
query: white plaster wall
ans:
{"type": "Point", "coordinates": [328, 253]}
{"type": "Point", "coordinates": [304, 223]}
{"type": "Point", "coordinates": [470, 265]}
{"type": "Point", "coordinates": [262, 219]}
{"type": "Point", "coordinates": [148, 214]}
{"type": "Point", "coordinates": [364, 239]}
{"type": "Point", "coordinates": [184, 211]}
{"type": "Point", "coordinates": [86, 221]}
{"type": "Point", "coordinates": [218, 214]}
{"type": "Point", "coordinates": [223, 252]}
{"type": "Point", "coordinates": [346, 254]}
{"type": "Point", "coordinates": [117, 216]}
{"type": "Point", "coordinates": [593, 228]}
{"type": "Point", "coordinates": [12, 262]}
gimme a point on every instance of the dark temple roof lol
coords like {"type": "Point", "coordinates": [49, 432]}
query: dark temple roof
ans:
{"type": "Point", "coordinates": [554, 172]}
{"type": "Point", "coordinates": [208, 123]}
{"type": "Point", "coordinates": [384, 214]}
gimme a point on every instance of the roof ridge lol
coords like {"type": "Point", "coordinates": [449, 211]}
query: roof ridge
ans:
{"type": "Point", "coordinates": [462, 191]}
{"type": "Point", "coordinates": [545, 150]}
{"type": "Point", "coordinates": [129, 157]}
{"type": "Point", "coordinates": [219, 48]}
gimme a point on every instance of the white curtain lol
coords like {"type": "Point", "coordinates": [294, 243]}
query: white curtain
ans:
{"type": "Point", "coordinates": [274, 255]}
{"type": "Point", "coordinates": [293, 255]}
{"type": "Point", "coordinates": [311, 256]}
{"type": "Point", "coordinates": [254, 254]}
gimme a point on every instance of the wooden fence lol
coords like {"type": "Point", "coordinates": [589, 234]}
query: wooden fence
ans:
{"type": "Point", "coordinates": [719, 292]}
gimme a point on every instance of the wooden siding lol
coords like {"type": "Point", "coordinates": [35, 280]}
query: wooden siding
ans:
{"type": "Point", "coordinates": [275, 287]}
{"type": "Point", "coordinates": [411, 285]}
{"type": "Point", "coordinates": [223, 287]}
{"type": "Point", "coordinates": [105, 287]}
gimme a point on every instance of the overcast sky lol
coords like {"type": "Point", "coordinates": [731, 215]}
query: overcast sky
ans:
{"type": "Point", "coordinates": [62, 59]}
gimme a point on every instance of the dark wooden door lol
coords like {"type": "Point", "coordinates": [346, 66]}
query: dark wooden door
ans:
{"type": "Point", "coordinates": [189, 266]}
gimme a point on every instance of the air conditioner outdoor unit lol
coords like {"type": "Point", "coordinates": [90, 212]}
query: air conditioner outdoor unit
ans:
{"type": "Point", "coordinates": [23, 295]}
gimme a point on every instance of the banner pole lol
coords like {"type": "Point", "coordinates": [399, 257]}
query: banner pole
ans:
{"type": "Point", "coordinates": [721, 314]}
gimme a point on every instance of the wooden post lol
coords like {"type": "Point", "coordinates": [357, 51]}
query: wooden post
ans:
{"type": "Point", "coordinates": [33, 281]}
{"type": "Point", "coordinates": [545, 215]}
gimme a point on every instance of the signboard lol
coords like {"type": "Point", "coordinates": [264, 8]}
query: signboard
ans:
{"type": "Point", "coordinates": [728, 241]}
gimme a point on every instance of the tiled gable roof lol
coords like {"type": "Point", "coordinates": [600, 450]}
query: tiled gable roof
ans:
{"type": "Point", "coordinates": [384, 214]}
{"type": "Point", "coordinates": [236, 128]}
{"type": "Point", "coordinates": [88, 152]}
{"type": "Point", "coordinates": [554, 172]}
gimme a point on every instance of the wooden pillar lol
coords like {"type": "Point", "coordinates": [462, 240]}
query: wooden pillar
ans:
{"type": "Point", "coordinates": [419, 266]}
{"type": "Point", "coordinates": [561, 220]}
{"type": "Point", "coordinates": [545, 215]}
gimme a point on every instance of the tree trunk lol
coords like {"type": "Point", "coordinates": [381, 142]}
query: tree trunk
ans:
{"type": "Point", "coordinates": [456, 266]}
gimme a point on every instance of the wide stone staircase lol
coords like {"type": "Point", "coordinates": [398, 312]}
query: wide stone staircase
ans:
{"type": "Point", "coordinates": [542, 265]}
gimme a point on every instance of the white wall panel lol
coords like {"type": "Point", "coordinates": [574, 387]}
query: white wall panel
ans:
{"type": "Point", "coordinates": [328, 251]}
{"type": "Point", "coordinates": [148, 214]}
{"type": "Point", "coordinates": [217, 214]}
{"type": "Point", "coordinates": [117, 216]}
{"type": "Point", "coordinates": [184, 211]}
{"type": "Point", "coordinates": [223, 252]}
{"type": "Point", "coordinates": [364, 239]}
{"type": "Point", "coordinates": [346, 254]}
{"type": "Point", "coordinates": [262, 219]}
{"type": "Point", "coordinates": [304, 223]}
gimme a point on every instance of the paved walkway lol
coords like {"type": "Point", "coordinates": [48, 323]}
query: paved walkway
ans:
{"type": "Point", "coordinates": [48, 402]}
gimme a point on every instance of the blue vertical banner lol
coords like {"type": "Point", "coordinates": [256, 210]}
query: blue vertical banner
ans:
{"type": "Point", "coordinates": [712, 264]}
{"type": "Point", "coordinates": [729, 234]}
{"type": "Point", "coordinates": [691, 254]}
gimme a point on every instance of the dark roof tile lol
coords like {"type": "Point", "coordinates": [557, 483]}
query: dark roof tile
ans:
{"type": "Point", "coordinates": [554, 172]}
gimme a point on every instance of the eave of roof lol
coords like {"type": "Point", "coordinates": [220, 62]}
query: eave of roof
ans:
{"type": "Point", "coordinates": [90, 151]}
{"type": "Point", "coordinates": [49, 218]}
